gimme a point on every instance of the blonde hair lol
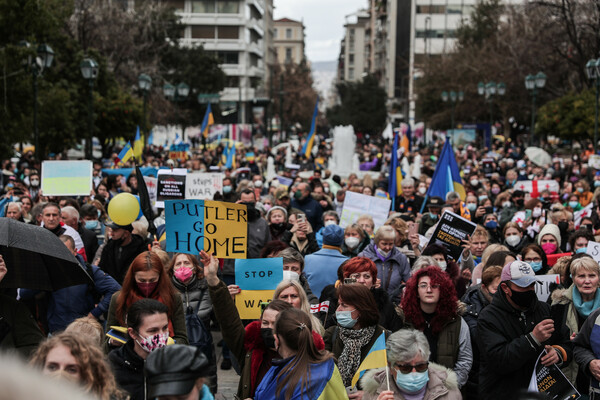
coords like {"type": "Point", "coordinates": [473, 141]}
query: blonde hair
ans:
{"type": "Point", "coordinates": [304, 304]}
{"type": "Point", "coordinates": [587, 263]}
{"type": "Point", "coordinates": [384, 232]}
{"type": "Point", "coordinates": [89, 328]}
{"type": "Point", "coordinates": [400, 226]}
{"type": "Point", "coordinates": [164, 257]}
{"type": "Point", "coordinates": [492, 248]}
{"type": "Point", "coordinates": [423, 262]}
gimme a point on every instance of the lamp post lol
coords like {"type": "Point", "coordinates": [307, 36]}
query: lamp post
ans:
{"type": "Point", "coordinates": [592, 69]}
{"type": "Point", "coordinates": [453, 97]}
{"type": "Point", "coordinates": [89, 70]}
{"type": "Point", "coordinates": [145, 84]}
{"type": "Point", "coordinates": [43, 60]}
{"type": "Point", "coordinates": [490, 90]}
{"type": "Point", "coordinates": [176, 94]}
{"type": "Point", "coordinates": [533, 83]}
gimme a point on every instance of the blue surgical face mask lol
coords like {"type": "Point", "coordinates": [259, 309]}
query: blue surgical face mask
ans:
{"type": "Point", "coordinates": [226, 189]}
{"type": "Point", "coordinates": [472, 207]}
{"type": "Point", "coordinates": [573, 204]}
{"type": "Point", "coordinates": [344, 318]}
{"type": "Point", "coordinates": [596, 183]}
{"type": "Point", "coordinates": [491, 224]}
{"type": "Point", "coordinates": [433, 216]}
{"type": "Point", "coordinates": [581, 250]}
{"type": "Point", "coordinates": [482, 198]}
{"type": "Point", "coordinates": [92, 224]}
{"type": "Point", "coordinates": [413, 382]}
{"type": "Point", "coordinates": [536, 265]}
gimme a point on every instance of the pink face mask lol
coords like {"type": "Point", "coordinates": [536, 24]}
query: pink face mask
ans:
{"type": "Point", "coordinates": [549, 248]}
{"type": "Point", "coordinates": [151, 343]}
{"type": "Point", "coordinates": [183, 274]}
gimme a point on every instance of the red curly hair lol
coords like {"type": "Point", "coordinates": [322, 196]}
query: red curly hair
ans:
{"type": "Point", "coordinates": [360, 264]}
{"type": "Point", "coordinates": [446, 307]}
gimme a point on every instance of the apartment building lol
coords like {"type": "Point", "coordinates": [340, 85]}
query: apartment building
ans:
{"type": "Point", "coordinates": [288, 41]}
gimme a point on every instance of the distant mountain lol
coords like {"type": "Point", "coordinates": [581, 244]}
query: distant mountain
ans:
{"type": "Point", "coordinates": [324, 73]}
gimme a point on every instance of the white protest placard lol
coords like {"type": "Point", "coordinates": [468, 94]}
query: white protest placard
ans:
{"type": "Point", "coordinates": [594, 161]}
{"type": "Point", "coordinates": [151, 186]}
{"type": "Point", "coordinates": [593, 249]}
{"type": "Point", "coordinates": [203, 185]}
{"type": "Point", "coordinates": [543, 291]}
{"type": "Point", "coordinates": [67, 178]}
{"type": "Point", "coordinates": [356, 204]}
{"type": "Point", "coordinates": [170, 185]}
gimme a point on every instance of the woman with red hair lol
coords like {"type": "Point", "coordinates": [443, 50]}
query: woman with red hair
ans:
{"type": "Point", "coordinates": [364, 271]}
{"type": "Point", "coordinates": [147, 278]}
{"type": "Point", "coordinates": [429, 304]}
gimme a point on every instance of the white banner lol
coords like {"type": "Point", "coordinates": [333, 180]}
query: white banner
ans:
{"type": "Point", "coordinates": [203, 185]}
{"type": "Point", "coordinates": [356, 204]}
{"type": "Point", "coordinates": [536, 187]}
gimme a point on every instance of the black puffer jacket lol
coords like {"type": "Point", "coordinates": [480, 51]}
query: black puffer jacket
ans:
{"type": "Point", "coordinates": [128, 368]}
{"type": "Point", "coordinates": [116, 259]}
{"type": "Point", "coordinates": [508, 350]}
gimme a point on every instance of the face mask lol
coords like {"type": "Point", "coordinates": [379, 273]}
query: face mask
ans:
{"type": "Point", "coordinates": [549, 248]}
{"type": "Point", "coordinates": [581, 250]}
{"type": "Point", "coordinates": [589, 227]}
{"type": "Point", "coordinates": [183, 273]}
{"type": "Point", "coordinates": [291, 276]}
{"type": "Point", "coordinates": [258, 184]}
{"type": "Point", "coordinates": [35, 182]}
{"type": "Point", "coordinates": [536, 265]}
{"type": "Point", "coordinates": [513, 240]}
{"type": "Point", "coordinates": [92, 224]}
{"type": "Point", "coordinates": [351, 242]}
{"type": "Point", "coordinates": [482, 198]}
{"type": "Point", "coordinates": [495, 190]}
{"type": "Point", "coordinates": [536, 213]}
{"type": "Point", "coordinates": [267, 207]}
{"type": "Point", "coordinates": [413, 382]}
{"type": "Point", "coordinates": [472, 207]}
{"type": "Point", "coordinates": [506, 204]}
{"type": "Point", "coordinates": [297, 195]}
{"type": "Point", "coordinates": [433, 216]}
{"type": "Point", "coordinates": [146, 287]}
{"type": "Point", "coordinates": [563, 226]}
{"type": "Point", "coordinates": [575, 172]}
{"type": "Point", "coordinates": [523, 299]}
{"type": "Point", "coordinates": [474, 182]}
{"type": "Point", "coordinates": [443, 265]}
{"type": "Point", "coordinates": [580, 190]}
{"type": "Point", "coordinates": [344, 318]}
{"type": "Point", "coordinates": [279, 226]}
{"type": "Point", "coordinates": [329, 222]}
{"type": "Point", "coordinates": [596, 183]}
{"type": "Point", "coordinates": [151, 343]}
{"type": "Point", "coordinates": [520, 202]}
{"type": "Point", "coordinates": [382, 253]}
{"type": "Point", "coordinates": [267, 336]}
{"type": "Point", "coordinates": [491, 224]}
{"type": "Point", "coordinates": [423, 190]}
{"type": "Point", "coordinates": [326, 190]}
{"type": "Point", "coordinates": [226, 189]}
{"type": "Point", "coordinates": [573, 204]}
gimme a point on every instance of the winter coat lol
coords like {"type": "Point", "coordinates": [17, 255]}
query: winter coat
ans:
{"type": "Point", "coordinates": [246, 344]}
{"type": "Point", "coordinates": [508, 349]}
{"type": "Point", "coordinates": [321, 268]}
{"type": "Point", "coordinates": [258, 236]}
{"type": "Point", "coordinates": [311, 247]}
{"type": "Point", "coordinates": [585, 345]}
{"type": "Point", "coordinates": [115, 265]}
{"type": "Point", "coordinates": [313, 211]}
{"type": "Point", "coordinates": [128, 368]}
{"type": "Point", "coordinates": [350, 253]}
{"type": "Point", "coordinates": [90, 242]}
{"type": "Point", "coordinates": [388, 317]}
{"type": "Point", "coordinates": [520, 246]}
{"type": "Point", "coordinates": [442, 384]}
{"type": "Point", "coordinates": [18, 328]}
{"type": "Point", "coordinates": [426, 223]}
{"type": "Point", "coordinates": [325, 383]}
{"type": "Point", "coordinates": [394, 271]}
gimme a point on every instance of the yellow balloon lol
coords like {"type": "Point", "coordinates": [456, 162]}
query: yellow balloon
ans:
{"type": "Point", "coordinates": [123, 209]}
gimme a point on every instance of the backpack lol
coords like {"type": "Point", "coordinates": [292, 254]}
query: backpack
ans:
{"type": "Point", "coordinates": [198, 335]}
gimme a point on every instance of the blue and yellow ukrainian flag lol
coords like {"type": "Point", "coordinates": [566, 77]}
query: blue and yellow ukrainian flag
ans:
{"type": "Point", "coordinates": [395, 175]}
{"type": "Point", "coordinates": [231, 156]}
{"type": "Point", "coordinates": [125, 154]}
{"type": "Point", "coordinates": [446, 177]}
{"type": "Point", "coordinates": [307, 148]}
{"type": "Point", "coordinates": [207, 121]}
{"type": "Point", "coordinates": [138, 146]}
{"type": "Point", "coordinates": [376, 358]}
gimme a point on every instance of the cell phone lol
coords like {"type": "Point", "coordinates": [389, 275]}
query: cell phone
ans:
{"type": "Point", "coordinates": [348, 281]}
{"type": "Point", "coordinates": [301, 218]}
{"type": "Point", "coordinates": [489, 210]}
{"type": "Point", "coordinates": [413, 229]}
{"type": "Point", "coordinates": [527, 214]}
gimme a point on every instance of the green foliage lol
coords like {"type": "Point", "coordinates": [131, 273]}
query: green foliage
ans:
{"type": "Point", "coordinates": [117, 115]}
{"type": "Point", "coordinates": [570, 116]}
{"type": "Point", "coordinates": [362, 106]}
{"type": "Point", "coordinates": [483, 24]}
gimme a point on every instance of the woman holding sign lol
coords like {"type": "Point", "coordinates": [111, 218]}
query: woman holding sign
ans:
{"type": "Point", "coordinates": [572, 306]}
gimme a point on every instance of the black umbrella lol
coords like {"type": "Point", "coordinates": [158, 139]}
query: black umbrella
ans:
{"type": "Point", "coordinates": [37, 259]}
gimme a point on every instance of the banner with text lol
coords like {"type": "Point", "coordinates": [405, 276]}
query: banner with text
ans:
{"type": "Point", "coordinates": [170, 185]}
{"type": "Point", "coordinates": [551, 381]}
{"type": "Point", "coordinates": [356, 204]}
{"type": "Point", "coordinates": [216, 227]}
{"type": "Point", "coordinates": [257, 279]}
{"type": "Point", "coordinates": [451, 231]}
{"type": "Point", "coordinates": [67, 178]}
{"type": "Point", "coordinates": [203, 185]}
{"type": "Point", "coordinates": [543, 291]}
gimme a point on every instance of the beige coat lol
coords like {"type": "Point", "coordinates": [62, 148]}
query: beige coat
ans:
{"type": "Point", "coordinates": [564, 298]}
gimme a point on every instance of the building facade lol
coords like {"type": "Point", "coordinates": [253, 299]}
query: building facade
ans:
{"type": "Point", "coordinates": [289, 41]}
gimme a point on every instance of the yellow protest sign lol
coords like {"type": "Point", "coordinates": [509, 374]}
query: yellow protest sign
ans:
{"type": "Point", "coordinates": [248, 302]}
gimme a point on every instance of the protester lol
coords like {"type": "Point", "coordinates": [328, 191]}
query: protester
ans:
{"type": "Point", "coordinates": [70, 217]}
{"type": "Point", "coordinates": [291, 291]}
{"type": "Point", "coordinates": [309, 206]}
{"type": "Point", "coordinates": [514, 237]}
{"type": "Point", "coordinates": [549, 239]}
{"type": "Point", "coordinates": [535, 256]}
{"type": "Point", "coordinates": [120, 251]}
{"type": "Point", "coordinates": [321, 267]}
{"type": "Point", "coordinates": [293, 263]}
{"type": "Point", "coordinates": [355, 240]}
{"type": "Point", "coordinates": [277, 219]}
{"type": "Point", "coordinates": [300, 235]}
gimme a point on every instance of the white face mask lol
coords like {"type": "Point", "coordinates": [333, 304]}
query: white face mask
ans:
{"type": "Point", "coordinates": [506, 204]}
{"type": "Point", "coordinates": [422, 190]}
{"type": "Point", "coordinates": [443, 265]}
{"type": "Point", "coordinates": [258, 184]}
{"type": "Point", "coordinates": [536, 213]}
{"type": "Point", "coordinates": [291, 275]}
{"type": "Point", "coordinates": [513, 240]}
{"type": "Point", "coordinates": [351, 242]}
{"type": "Point", "coordinates": [329, 222]}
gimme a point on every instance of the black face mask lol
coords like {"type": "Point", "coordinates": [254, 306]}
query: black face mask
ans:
{"type": "Point", "coordinates": [267, 337]}
{"type": "Point", "coordinates": [279, 226]}
{"type": "Point", "coordinates": [563, 226]}
{"type": "Point", "coordinates": [253, 213]}
{"type": "Point", "coordinates": [523, 299]}
{"type": "Point", "coordinates": [520, 202]}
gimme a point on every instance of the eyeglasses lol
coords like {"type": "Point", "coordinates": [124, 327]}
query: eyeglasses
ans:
{"type": "Point", "coordinates": [407, 368]}
{"type": "Point", "coordinates": [427, 285]}
{"type": "Point", "coordinates": [528, 260]}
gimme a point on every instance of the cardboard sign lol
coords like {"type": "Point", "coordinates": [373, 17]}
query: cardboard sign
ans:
{"type": "Point", "coordinates": [593, 249]}
{"type": "Point", "coordinates": [551, 381]}
{"type": "Point", "coordinates": [356, 204]}
{"type": "Point", "coordinates": [258, 273]}
{"type": "Point", "coordinates": [170, 185]}
{"type": "Point", "coordinates": [543, 291]}
{"type": "Point", "coordinates": [248, 302]}
{"type": "Point", "coordinates": [203, 185]}
{"type": "Point", "coordinates": [594, 161]}
{"type": "Point", "coordinates": [451, 230]}
{"type": "Point", "coordinates": [67, 178]}
{"type": "Point", "coordinates": [216, 227]}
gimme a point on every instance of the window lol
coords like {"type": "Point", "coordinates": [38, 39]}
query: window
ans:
{"type": "Point", "coordinates": [288, 54]}
{"type": "Point", "coordinates": [178, 5]}
{"type": "Point", "coordinates": [203, 6]}
{"type": "Point", "coordinates": [431, 9]}
{"type": "Point", "coordinates": [228, 6]}
{"type": "Point", "coordinates": [228, 57]}
{"type": "Point", "coordinates": [350, 73]}
{"type": "Point", "coordinates": [203, 32]}
{"type": "Point", "coordinates": [228, 32]}
{"type": "Point", "coordinates": [232, 81]}
{"type": "Point", "coordinates": [288, 33]}
{"type": "Point", "coordinates": [350, 59]}
{"type": "Point", "coordinates": [275, 33]}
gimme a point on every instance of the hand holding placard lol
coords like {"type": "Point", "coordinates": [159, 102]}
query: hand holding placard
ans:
{"type": "Point", "coordinates": [211, 268]}
{"type": "Point", "coordinates": [593, 249]}
{"type": "Point", "coordinates": [257, 278]}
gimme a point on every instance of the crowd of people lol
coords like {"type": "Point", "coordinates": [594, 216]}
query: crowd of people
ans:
{"type": "Point", "coordinates": [470, 327]}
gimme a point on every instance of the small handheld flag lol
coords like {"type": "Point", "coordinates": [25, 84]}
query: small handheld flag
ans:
{"type": "Point", "coordinates": [138, 146]}
{"type": "Point", "coordinates": [310, 140]}
{"type": "Point", "coordinates": [321, 307]}
{"type": "Point", "coordinates": [125, 154]}
{"type": "Point", "coordinates": [207, 121]}
{"type": "Point", "coordinates": [376, 358]}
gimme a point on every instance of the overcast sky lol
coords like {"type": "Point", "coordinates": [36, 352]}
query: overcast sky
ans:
{"type": "Point", "coordinates": [323, 21]}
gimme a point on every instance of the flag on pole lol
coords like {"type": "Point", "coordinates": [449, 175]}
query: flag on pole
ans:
{"type": "Point", "coordinates": [446, 177]}
{"type": "Point", "coordinates": [231, 156]}
{"type": "Point", "coordinates": [395, 178]}
{"type": "Point", "coordinates": [321, 307]}
{"type": "Point", "coordinates": [125, 154]}
{"type": "Point", "coordinates": [310, 140]}
{"type": "Point", "coordinates": [207, 121]}
{"type": "Point", "coordinates": [376, 358]}
{"type": "Point", "coordinates": [138, 146]}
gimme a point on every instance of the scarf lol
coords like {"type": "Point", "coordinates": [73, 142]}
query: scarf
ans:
{"type": "Point", "coordinates": [300, 245]}
{"type": "Point", "coordinates": [354, 340]}
{"type": "Point", "coordinates": [585, 308]}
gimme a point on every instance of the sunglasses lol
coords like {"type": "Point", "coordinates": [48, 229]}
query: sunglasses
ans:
{"type": "Point", "coordinates": [407, 368]}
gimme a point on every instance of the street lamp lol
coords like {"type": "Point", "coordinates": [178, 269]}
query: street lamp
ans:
{"type": "Point", "coordinates": [89, 70]}
{"type": "Point", "coordinates": [533, 83]}
{"type": "Point", "coordinates": [176, 94]}
{"type": "Point", "coordinates": [145, 84]}
{"type": "Point", "coordinates": [43, 60]}
{"type": "Point", "coordinates": [490, 90]}
{"type": "Point", "coordinates": [592, 70]}
{"type": "Point", "coordinates": [453, 97]}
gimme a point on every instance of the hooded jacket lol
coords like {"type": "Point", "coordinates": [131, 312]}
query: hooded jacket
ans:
{"type": "Point", "coordinates": [128, 368]}
{"type": "Point", "coordinates": [116, 259]}
{"type": "Point", "coordinates": [509, 350]}
{"type": "Point", "coordinates": [442, 384]}
{"type": "Point", "coordinates": [393, 271]}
